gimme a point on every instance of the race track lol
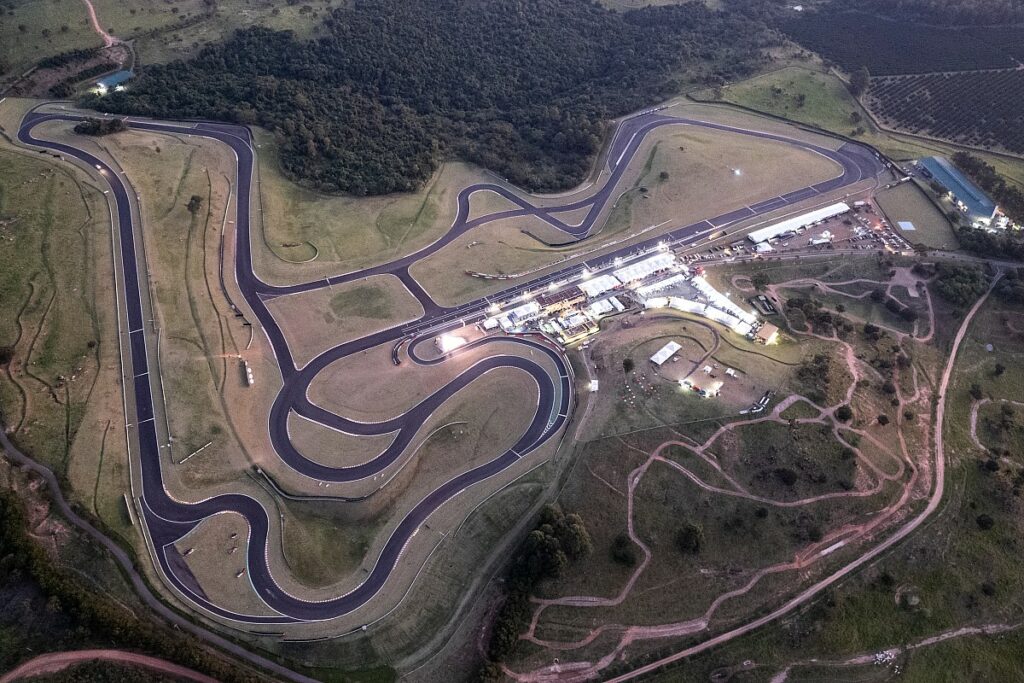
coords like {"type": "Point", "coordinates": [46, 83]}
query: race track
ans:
{"type": "Point", "coordinates": [168, 519]}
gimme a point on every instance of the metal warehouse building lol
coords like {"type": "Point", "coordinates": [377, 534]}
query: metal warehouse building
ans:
{"type": "Point", "coordinates": [971, 199]}
{"type": "Point", "coordinates": [791, 224]}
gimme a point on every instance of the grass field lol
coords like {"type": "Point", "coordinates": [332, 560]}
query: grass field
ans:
{"type": "Point", "coordinates": [172, 29]}
{"type": "Point", "coordinates": [829, 105]}
{"type": "Point", "coordinates": [678, 177]}
{"type": "Point", "coordinates": [31, 31]}
{"type": "Point", "coordinates": [60, 395]}
{"type": "Point", "coordinates": [316, 321]}
{"type": "Point", "coordinates": [800, 94]}
{"type": "Point", "coordinates": [346, 233]}
{"type": "Point", "coordinates": [215, 552]}
{"type": "Point", "coordinates": [908, 202]}
{"type": "Point", "coordinates": [951, 573]}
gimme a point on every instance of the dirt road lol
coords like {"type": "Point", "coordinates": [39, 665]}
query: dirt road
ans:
{"type": "Point", "coordinates": [55, 662]}
{"type": "Point", "coordinates": [108, 39]}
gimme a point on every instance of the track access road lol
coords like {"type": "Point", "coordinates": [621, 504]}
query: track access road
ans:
{"type": "Point", "coordinates": [167, 519]}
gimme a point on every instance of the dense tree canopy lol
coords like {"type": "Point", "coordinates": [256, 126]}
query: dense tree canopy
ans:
{"type": "Point", "coordinates": [522, 87]}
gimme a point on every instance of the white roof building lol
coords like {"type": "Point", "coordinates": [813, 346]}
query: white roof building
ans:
{"type": "Point", "coordinates": [791, 224]}
{"type": "Point", "coordinates": [647, 267]}
{"type": "Point", "coordinates": [722, 302]}
{"type": "Point", "coordinates": [660, 285]}
{"type": "Point", "coordinates": [599, 308]}
{"type": "Point", "coordinates": [599, 285]}
{"type": "Point", "coordinates": [665, 352]}
{"type": "Point", "coordinates": [519, 315]}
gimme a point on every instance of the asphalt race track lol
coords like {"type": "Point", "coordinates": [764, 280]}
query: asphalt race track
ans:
{"type": "Point", "coordinates": [167, 519]}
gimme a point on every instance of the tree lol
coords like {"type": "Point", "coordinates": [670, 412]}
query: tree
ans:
{"type": "Point", "coordinates": [760, 281]}
{"type": "Point", "coordinates": [623, 551]}
{"type": "Point", "coordinates": [627, 365]}
{"type": "Point", "coordinates": [1000, 369]}
{"type": "Point", "coordinates": [786, 476]}
{"type": "Point", "coordinates": [663, 176]}
{"type": "Point", "coordinates": [194, 204]}
{"type": "Point", "coordinates": [94, 126]}
{"type": "Point", "coordinates": [976, 392]}
{"type": "Point", "coordinates": [985, 522]}
{"type": "Point", "coordinates": [883, 419]}
{"type": "Point", "coordinates": [6, 355]}
{"type": "Point", "coordinates": [690, 538]}
{"type": "Point", "coordinates": [859, 81]}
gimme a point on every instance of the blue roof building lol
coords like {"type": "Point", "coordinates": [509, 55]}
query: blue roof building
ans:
{"type": "Point", "coordinates": [971, 199]}
{"type": "Point", "coordinates": [113, 80]}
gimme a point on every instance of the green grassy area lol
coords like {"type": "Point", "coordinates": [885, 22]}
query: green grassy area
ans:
{"type": "Point", "coordinates": [800, 409]}
{"type": "Point", "coordinates": [952, 572]}
{"type": "Point", "coordinates": [163, 36]}
{"type": "Point", "coordinates": [346, 232]}
{"type": "Point", "coordinates": [828, 104]}
{"type": "Point", "coordinates": [366, 301]}
{"type": "Point", "coordinates": [53, 250]}
{"type": "Point", "coordinates": [31, 31]}
{"type": "Point", "coordinates": [809, 453]}
{"type": "Point", "coordinates": [799, 94]}
{"type": "Point", "coordinates": [908, 202]}
{"type": "Point", "coordinates": [319, 547]}
{"type": "Point", "coordinates": [172, 29]}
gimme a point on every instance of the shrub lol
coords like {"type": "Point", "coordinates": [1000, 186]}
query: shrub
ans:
{"type": "Point", "coordinates": [623, 551]}
{"type": "Point", "coordinates": [786, 476]}
{"type": "Point", "coordinates": [690, 538]}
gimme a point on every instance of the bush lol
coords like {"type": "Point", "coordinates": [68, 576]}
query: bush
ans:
{"type": "Point", "coordinates": [844, 413]}
{"type": "Point", "coordinates": [93, 126]}
{"type": "Point", "coordinates": [786, 476]}
{"type": "Point", "coordinates": [985, 522]}
{"type": "Point", "coordinates": [690, 538]}
{"type": "Point", "coordinates": [623, 551]}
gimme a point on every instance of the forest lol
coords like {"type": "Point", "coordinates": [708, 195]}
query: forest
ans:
{"type": "Point", "coordinates": [524, 88]}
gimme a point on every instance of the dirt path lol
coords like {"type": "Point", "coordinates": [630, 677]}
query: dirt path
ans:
{"type": "Point", "coordinates": [975, 407]}
{"type": "Point", "coordinates": [55, 662]}
{"type": "Point", "coordinates": [108, 40]}
{"type": "Point", "coordinates": [887, 655]}
{"type": "Point", "coordinates": [583, 670]}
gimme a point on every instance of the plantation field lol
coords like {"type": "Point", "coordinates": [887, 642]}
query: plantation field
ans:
{"type": "Point", "coordinates": [980, 109]}
{"type": "Point", "coordinates": [888, 47]}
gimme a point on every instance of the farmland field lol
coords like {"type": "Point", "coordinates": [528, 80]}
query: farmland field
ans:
{"type": "Point", "coordinates": [884, 46]}
{"type": "Point", "coordinates": [975, 109]}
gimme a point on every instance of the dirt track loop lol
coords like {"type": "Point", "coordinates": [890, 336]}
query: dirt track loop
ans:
{"type": "Point", "coordinates": [582, 670]}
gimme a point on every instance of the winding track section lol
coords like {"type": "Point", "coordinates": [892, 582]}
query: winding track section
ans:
{"type": "Point", "coordinates": [168, 519]}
